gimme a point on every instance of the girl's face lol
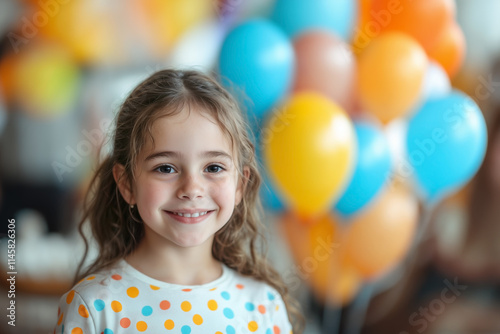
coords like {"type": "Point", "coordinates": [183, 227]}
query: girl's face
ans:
{"type": "Point", "coordinates": [192, 170]}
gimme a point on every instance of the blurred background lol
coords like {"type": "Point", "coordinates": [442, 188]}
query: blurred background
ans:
{"type": "Point", "coordinates": [377, 125]}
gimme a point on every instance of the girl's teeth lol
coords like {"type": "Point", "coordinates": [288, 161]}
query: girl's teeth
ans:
{"type": "Point", "coordinates": [197, 214]}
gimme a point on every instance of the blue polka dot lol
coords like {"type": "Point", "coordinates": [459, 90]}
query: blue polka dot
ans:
{"type": "Point", "coordinates": [108, 331]}
{"type": "Point", "coordinates": [62, 329]}
{"type": "Point", "coordinates": [269, 331]}
{"type": "Point", "coordinates": [225, 295]}
{"type": "Point", "coordinates": [99, 304]}
{"type": "Point", "coordinates": [147, 310]}
{"type": "Point", "coordinates": [228, 313]}
{"type": "Point", "coordinates": [270, 296]}
{"type": "Point", "coordinates": [230, 330]}
{"type": "Point", "coordinates": [185, 329]}
{"type": "Point", "coordinates": [249, 306]}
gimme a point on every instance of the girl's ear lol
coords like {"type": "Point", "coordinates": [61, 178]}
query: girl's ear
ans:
{"type": "Point", "coordinates": [123, 183]}
{"type": "Point", "coordinates": [242, 184]}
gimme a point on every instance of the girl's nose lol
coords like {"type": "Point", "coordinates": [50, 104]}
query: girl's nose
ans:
{"type": "Point", "coordinates": [191, 187]}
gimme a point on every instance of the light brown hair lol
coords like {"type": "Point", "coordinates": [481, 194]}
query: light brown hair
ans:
{"type": "Point", "coordinates": [240, 243]}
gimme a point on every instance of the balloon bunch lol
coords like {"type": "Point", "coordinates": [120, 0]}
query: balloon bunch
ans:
{"type": "Point", "coordinates": [323, 111]}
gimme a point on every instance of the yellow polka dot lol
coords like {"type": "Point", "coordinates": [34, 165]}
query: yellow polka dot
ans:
{"type": "Point", "coordinates": [90, 278]}
{"type": "Point", "coordinates": [218, 332]}
{"type": "Point", "coordinates": [277, 307]}
{"type": "Point", "coordinates": [212, 289]}
{"type": "Point", "coordinates": [116, 306]}
{"type": "Point", "coordinates": [82, 310]}
{"type": "Point", "coordinates": [197, 319]}
{"type": "Point", "coordinates": [169, 324]}
{"type": "Point", "coordinates": [212, 305]}
{"type": "Point", "coordinates": [69, 297]}
{"type": "Point", "coordinates": [154, 287]}
{"type": "Point", "coordinates": [186, 306]}
{"type": "Point", "coordinates": [76, 330]}
{"type": "Point", "coordinates": [141, 326]}
{"type": "Point", "coordinates": [133, 292]}
{"type": "Point", "coordinates": [60, 319]}
{"type": "Point", "coordinates": [252, 326]}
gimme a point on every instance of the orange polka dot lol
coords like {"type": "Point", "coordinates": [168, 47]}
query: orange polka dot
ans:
{"type": "Point", "coordinates": [60, 319]}
{"type": "Point", "coordinates": [90, 278]}
{"type": "Point", "coordinates": [116, 277]}
{"type": "Point", "coordinates": [218, 332]}
{"type": "Point", "coordinates": [212, 305]}
{"type": "Point", "coordinates": [116, 306]}
{"type": "Point", "coordinates": [197, 319]}
{"type": "Point", "coordinates": [212, 289]}
{"type": "Point", "coordinates": [186, 290]}
{"type": "Point", "coordinates": [125, 322]}
{"type": "Point", "coordinates": [80, 281]}
{"type": "Point", "coordinates": [262, 309]}
{"type": "Point", "coordinates": [132, 292]}
{"type": "Point", "coordinates": [77, 330]}
{"type": "Point", "coordinates": [276, 330]}
{"type": "Point", "coordinates": [169, 324]}
{"type": "Point", "coordinates": [164, 304]}
{"type": "Point", "coordinates": [82, 310]}
{"type": "Point", "coordinates": [141, 326]}
{"type": "Point", "coordinates": [69, 297]}
{"type": "Point", "coordinates": [240, 286]}
{"type": "Point", "coordinates": [252, 326]}
{"type": "Point", "coordinates": [154, 287]}
{"type": "Point", "coordinates": [186, 306]}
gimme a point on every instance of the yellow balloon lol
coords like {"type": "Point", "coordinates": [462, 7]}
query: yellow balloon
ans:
{"type": "Point", "coordinates": [391, 72]}
{"type": "Point", "coordinates": [378, 238]}
{"type": "Point", "coordinates": [46, 81]}
{"type": "Point", "coordinates": [309, 149]}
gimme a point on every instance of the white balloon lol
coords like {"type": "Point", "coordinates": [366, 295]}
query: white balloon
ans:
{"type": "Point", "coordinates": [198, 48]}
{"type": "Point", "coordinates": [395, 132]}
{"type": "Point", "coordinates": [436, 82]}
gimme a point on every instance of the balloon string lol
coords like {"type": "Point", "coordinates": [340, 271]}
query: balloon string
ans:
{"type": "Point", "coordinates": [356, 313]}
{"type": "Point", "coordinates": [332, 317]}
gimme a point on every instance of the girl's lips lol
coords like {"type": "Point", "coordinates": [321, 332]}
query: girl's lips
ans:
{"type": "Point", "coordinates": [189, 220]}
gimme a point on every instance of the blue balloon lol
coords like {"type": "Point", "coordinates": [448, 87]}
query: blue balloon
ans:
{"type": "Point", "coordinates": [297, 16]}
{"type": "Point", "coordinates": [446, 143]}
{"type": "Point", "coordinates": [372, 170]}
{"type": "Point", "coordinates": [268, 194]}
{"type": "Point", "coordinates": [257, 61]}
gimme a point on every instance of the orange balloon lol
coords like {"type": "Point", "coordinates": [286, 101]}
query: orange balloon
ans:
{"type": "Point", "coordinates": [449, 51]}
{"type": "Point", "coordinates": [317, 250]}
{"type": "Point", "coordinates": [379, 238]}
{"type": "Point", "coordinates": [422, 19]}
{"type": "Point", "coordinates": [325, 64]}
{"type": "Point", "coordinates": [360, 38]}
{"type": "Point", "coordinates": [390, 73]}
{"type": "Point", "coordinates": [87, 29]}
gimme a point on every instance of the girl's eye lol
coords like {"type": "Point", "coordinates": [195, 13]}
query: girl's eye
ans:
{"type": "Point", "coordinates": [165, 169]}
{"type": "Point", "coordinates": [214, 168]}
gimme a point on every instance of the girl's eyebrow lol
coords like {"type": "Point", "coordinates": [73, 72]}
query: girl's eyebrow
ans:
{"type": "Point", "coordinates": [178, 155]}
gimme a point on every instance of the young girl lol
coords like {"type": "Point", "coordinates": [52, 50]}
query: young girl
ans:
{"type": "Point", "coordinates": [175, 212]}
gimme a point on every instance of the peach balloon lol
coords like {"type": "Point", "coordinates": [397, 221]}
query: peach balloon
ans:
{"type": "Point", "coordinates": [449, 51]}
{"type": "Point", "coordinates": [391, 73]}
{"type": "Point", "coordinates": [423, 19]}
{"type": "Point", "coordinates": [380, 237]}
{"type": "Point", "coordinates": [325, 64]}
{"type": "Point", "coordinates": [317, 250]}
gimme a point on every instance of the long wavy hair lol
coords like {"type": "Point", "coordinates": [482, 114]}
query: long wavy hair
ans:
{"type": "Point", "coordinates": [240, 243]}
